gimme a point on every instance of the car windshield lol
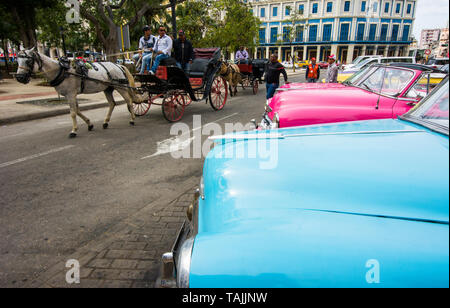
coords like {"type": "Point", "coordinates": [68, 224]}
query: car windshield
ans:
{"type": "Point", "coordinates": [434, 110]}
{"type": "Point", "coordinates": [358, 60]}
{"type": "Point", "coordinates": [362, 63]}
{"type": "Point", "coordinates": [389, 81]}
{"type": "Point", "coordinates": [356, 78]}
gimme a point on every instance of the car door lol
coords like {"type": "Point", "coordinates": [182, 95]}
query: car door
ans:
{"type": "Point", "coordinates": [412, 96]}
{"type": "Point", "coordinates": [377, 105]}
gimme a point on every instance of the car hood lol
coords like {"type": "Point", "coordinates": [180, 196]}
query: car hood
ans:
{"type": "Point", "coordinates": [292, 103]}
{"type": "Point", "coordinates": [337, 196]}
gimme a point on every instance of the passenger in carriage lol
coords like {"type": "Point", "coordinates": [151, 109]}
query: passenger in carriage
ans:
{"type": "Point", "coordinates": [146, 43]}
{"type": "Point", "coordinates": [242, 56]}
{"type": "Point", "coordinates": [184, 52]}
{"type": "Point", "coordinates": [163, 48]}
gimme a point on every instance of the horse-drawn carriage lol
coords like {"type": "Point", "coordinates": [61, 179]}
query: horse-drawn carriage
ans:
{"type": "Point", "coordinates": [252, 72]}
{"type": "Point", "coordinates": [178, 89]}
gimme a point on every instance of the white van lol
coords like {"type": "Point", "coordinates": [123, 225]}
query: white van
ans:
{"type": "Point", "coordinates": [383, 60]}
{"type": "Point", "coordinates": [358, 60]}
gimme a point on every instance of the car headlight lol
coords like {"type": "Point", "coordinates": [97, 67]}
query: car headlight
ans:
{"type": "Point", "coordinates": [184, 263]}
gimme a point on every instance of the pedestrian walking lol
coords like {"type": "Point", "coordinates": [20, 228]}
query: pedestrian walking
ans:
{"type": "Point", "coordinates": [333, 70]}
{"type": "Point", "coordinates": [313, 71]}
{"type": "Point", "coordinates": [274, 69]}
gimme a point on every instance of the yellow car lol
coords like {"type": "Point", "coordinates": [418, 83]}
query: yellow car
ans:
{"type": "Point", "coordinates": [302, 64]}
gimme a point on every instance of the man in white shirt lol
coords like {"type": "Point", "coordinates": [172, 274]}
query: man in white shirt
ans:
{"type": "Point", "coordinates": [163, 48]}
{"type": "Point", "coordinates": [146, 43]}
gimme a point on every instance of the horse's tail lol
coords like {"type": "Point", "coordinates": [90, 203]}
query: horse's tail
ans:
{"type": "Point", "coordinates": [132, 84]}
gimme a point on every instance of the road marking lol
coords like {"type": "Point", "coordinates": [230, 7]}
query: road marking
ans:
{"type": "Point", "coordinates": [20, 160]}
{"type": "Point", "coordinates": [175, 144]}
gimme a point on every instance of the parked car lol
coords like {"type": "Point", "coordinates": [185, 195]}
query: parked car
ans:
{"type": "Point", "coordinates": [361, 204]}
{"type": "Point", "coordinates": [323, 64]}
{"type": "Point", "coordinates": [378, 92]}
{"type": "Point", "coordinates": [438, 63]}
{"type": "Point", "coordinates": [358, 60]}
{"type": "Point", "coordinates": [346, 73]}
{"type": "Point", "coordinates": [302, 64]}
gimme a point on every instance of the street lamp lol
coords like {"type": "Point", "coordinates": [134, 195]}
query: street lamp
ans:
{"type": "Point", "coordinates": [61, 29]}
{"type": "Point", "coordinates": [173, 4]}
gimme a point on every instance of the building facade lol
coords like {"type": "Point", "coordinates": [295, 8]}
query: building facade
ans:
{"type": "Point", "coordinates": [443, 44]}
{"type": "Point", "coordinates": [345, 28]}
{"type": "Point", "coordinates": [429, 38]}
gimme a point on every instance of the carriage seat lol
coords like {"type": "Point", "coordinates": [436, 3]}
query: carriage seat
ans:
{"type": "Point", "coordinates": [198, 68]}
{"type": "Point", "coordinates": [168, 62]}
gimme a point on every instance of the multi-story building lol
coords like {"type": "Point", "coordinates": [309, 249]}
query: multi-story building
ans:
{"type": "Point", "coordinates": [443, 43]}
{"type": "Point", "coordinates": [344, 28]}
{"type": "Point", "coordinates": [429, 38]}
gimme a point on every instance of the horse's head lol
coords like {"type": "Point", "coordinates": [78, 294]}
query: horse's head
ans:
{"type": "Point", "coordinates": [223, 68]}
{"type": "Point", "coordinates": [29, 62]}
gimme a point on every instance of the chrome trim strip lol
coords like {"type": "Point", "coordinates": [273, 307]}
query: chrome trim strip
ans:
{"type": "Point", "coordinates": [355, 133]}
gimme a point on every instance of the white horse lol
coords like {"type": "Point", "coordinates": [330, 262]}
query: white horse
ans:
{"type": "Point", "coordinates": [69, 85]}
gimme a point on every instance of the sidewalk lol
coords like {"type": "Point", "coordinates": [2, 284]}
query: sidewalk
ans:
{"type": "Point", "coordinates": [12, 93]}
{"type": "Point", "coordinates": [129, 253]}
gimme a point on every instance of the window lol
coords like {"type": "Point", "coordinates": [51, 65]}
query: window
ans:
{"type": "Point", "coordinates": [301, 9]}
{"type": "Point", "coordinates": [398, 8]}
{"type": "Point", "coordinates": [408, 8]}
{"type": "Point", "coordinates": [394, 33]}
{"type": "Point", "coordinates": [384, 30]}
{"type": "Point", "coordinates": [288, 11]}
{"type": "Point", "coordinates": [263, 12]}
{"type": "Point", "coordinates": [313, 33]}
{"type": "Point", "coordinates": [275, 11]}
{"type": "Point", "coordinates": [299, 34]}
{"type": "Point", "coordinates": [386, 7]}
{"type": "Point", "coordinates": [347, 6]}
{"type": "Point", "coordinates": [372, 32]}
{"type": "Point", "coordinates": [329, 7]}
{"type": "Point", "coordinates": [326, 37]}
{"type": "Point", "coordinates": [315, 8]}
{"type": "Point", "coordinates": [344, 32]}
{"type": "Point", "coordinates": [375, 7]}
{"type": "Point", "coordinates": [273, 35]}
{"type": "Point", "coordinates": [286, 34]}
{"type": "Point", "coordinates": [262, 36]}
{"type": "Point", "coordinates": [360, 32]}
{"type": "Point", "coordinates": [405, 36]}
{"type": "Point", "coordinates": [363, 6]}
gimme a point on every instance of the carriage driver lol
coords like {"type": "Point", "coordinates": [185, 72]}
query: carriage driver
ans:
{"type": "Point", "coordinates": [163, 48]}
{"type": "Point", "coordinates": [146, 44]}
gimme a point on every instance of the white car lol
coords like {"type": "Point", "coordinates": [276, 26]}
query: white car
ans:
{"type": "Point", "coordinates": [359, 60]}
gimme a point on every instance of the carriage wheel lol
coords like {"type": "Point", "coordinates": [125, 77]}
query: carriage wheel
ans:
{"type": "Point", "coordinates": [141, 109]}
{"type": "Point", "coordinates": [173, 107]}
{"type": "Point", "coordinates": [255, 86]}
{"type": "Point", "coordinates": [187, 100]}
{"type": "Point", "coordinates": [219, 93]}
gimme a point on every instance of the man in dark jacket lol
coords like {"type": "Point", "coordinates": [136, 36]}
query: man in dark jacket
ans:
{"type": "Point", "coordinates": [184, 52]}
{"type": "Point", "coordinates": [274, 69]}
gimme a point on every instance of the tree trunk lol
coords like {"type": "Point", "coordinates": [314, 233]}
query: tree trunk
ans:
{"type": "Point", "coordinates": [6, 54]}
{"type": "Point", "coordinates": [111, 45]}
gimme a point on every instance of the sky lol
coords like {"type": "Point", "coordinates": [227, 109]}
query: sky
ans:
{"type": "Point", "coordinates": [430, 14]}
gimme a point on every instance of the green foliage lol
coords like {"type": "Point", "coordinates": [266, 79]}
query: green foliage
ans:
{"type": "Point", "coordinates": [228, 24]}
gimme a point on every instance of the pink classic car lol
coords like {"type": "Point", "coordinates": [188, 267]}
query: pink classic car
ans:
{"type": "Point", "coordinates": [377, 92]}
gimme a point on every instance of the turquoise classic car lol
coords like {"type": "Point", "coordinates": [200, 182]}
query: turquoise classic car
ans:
{"type": "Point", "coordinates": [357, 204]}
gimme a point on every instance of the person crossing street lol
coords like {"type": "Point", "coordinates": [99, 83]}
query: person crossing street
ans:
{"type": "Point", "coordinates": [313, 71]}
{"type": "Point", "coordinates": [274, 69]}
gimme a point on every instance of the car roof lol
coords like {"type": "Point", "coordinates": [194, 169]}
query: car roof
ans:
{"type": "Point", "coordinates": [418, 67]}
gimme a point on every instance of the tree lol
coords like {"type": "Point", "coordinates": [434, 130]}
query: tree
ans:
{"type": "Point", "coordinates": [23, 12]}
{"type": "Point", "coordinates": [106, 16]}
{"type": "Point", "coordinates": [194, 18]}
{"type": "Point", "coordinates": [237, 28]}
{"type": "Point", "coordinates": [291, 26]}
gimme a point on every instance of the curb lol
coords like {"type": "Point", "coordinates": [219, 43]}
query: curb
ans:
{"type": "Point", "coordinates": [53, 113]}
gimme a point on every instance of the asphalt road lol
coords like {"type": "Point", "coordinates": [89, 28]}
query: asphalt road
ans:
{"type": "Point", "coordinates": [56, 193]}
